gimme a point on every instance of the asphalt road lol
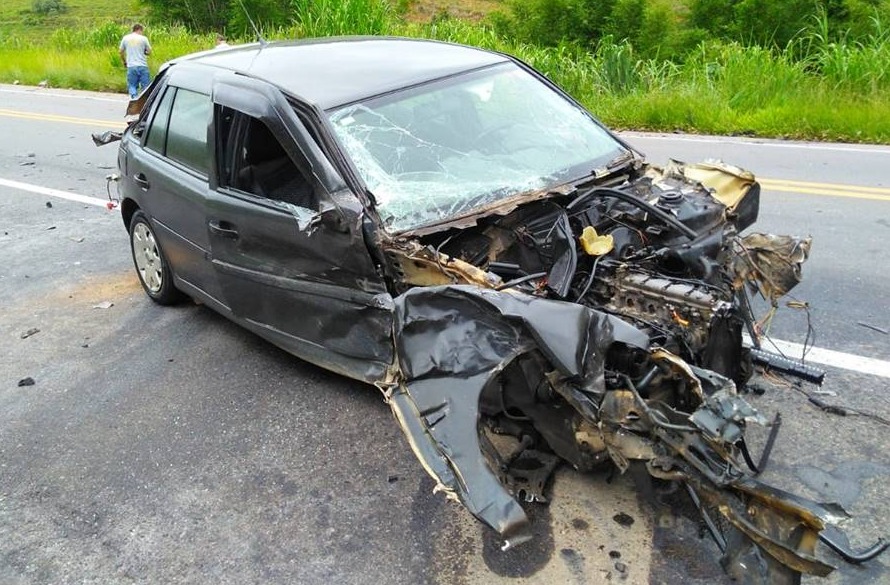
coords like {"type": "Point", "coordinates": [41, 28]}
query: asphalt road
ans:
{"type": "Point", "coordinates": [167, 445]}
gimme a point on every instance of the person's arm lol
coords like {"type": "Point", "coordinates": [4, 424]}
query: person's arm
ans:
{"type": "Point", "coordinates": [147, 47]}
{"type": "Point", "coordinates": [123, 54]}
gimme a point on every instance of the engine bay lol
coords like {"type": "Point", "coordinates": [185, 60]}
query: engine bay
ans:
{"type": "Point", "coordinates": [659, 250]}
{"type": "Point", "coordinates": [604, 323]}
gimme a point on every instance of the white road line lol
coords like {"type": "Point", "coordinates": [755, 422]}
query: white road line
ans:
{"type": "Point", "coordinates": [50, 93]}
{"type": "Point", "coordinates": [829, 357]}
{"type": "Point", "coordinates": [753, 141]}
{"type": "Point", "coordinates": [38, 190]}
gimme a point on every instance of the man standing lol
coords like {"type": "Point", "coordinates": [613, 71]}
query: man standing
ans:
{"type": "Point", "coordinates": [133, 50]}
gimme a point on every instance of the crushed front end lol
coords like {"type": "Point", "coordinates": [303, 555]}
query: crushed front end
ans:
{"type": "Point", "coordinates": [594, 325]}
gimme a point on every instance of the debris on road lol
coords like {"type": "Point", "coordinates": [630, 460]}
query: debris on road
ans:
{"type": "Point", "coordinates": [104, 305]}
{"type": "Point", "coordinates": [29, 381]}
{"type": "Point", "coordinates": [873, 327]}
{"type": "Point", "coordinates": [623, 519]}
{"type": "Point", "coordinates": [49, 204]}
{"type": "Point", "coordinates": [30, 332]}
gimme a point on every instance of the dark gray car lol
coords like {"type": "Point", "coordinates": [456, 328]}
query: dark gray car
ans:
{"type": "Point", "coordinates": [446, 224]}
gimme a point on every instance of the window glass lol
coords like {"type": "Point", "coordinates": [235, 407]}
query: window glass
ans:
{"type": "Point", "coordinates": [258, 164]}
{"type": "Point", "coordinates": [187, 131]}
{"type": "Point", "coordinates": [157, 133]}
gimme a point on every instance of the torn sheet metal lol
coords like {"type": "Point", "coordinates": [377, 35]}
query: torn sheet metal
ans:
{"type": "Point", "coordinates": [451, 342]}
{"type": "Point", "coordinates": [456, 347]}
{"type": "Point", "coordinates": [771, 262]}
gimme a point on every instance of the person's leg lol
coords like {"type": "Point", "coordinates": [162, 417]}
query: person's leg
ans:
{"type": "Point", "coordinates": [132, 80]}
{"type": "Point", "coordinates": [144, 78]}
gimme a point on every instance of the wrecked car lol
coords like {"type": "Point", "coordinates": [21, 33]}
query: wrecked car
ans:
{"type": "Point", "coordinates": [523, 287]}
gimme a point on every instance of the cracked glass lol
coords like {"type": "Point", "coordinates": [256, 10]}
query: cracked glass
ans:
{"type": "Point", "coordinates": [449, 147]}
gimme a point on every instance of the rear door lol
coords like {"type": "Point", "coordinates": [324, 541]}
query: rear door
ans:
{"type": "Point", "coordinates": [171, 170]}
{"type": "Point", "coordinates": [286, 237]}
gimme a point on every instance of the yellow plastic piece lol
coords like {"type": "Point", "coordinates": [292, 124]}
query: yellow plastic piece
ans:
{"type": "Point", "coordinates": [595, 244]}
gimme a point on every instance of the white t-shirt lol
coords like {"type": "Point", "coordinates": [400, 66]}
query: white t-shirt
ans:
{"type": "Point", "coordinates": [136, 46]}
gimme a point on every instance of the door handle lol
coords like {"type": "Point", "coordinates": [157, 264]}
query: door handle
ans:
{"type": "Point", "coordinates": [223, 229]}
{"type": "Point", "coordinates": [141, 180]}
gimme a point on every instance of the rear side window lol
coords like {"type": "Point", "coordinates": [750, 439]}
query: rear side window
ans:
{"type": "Point", "coordinates": [187, 130]}
{"type": "Point", "coordinates": [179, 128]}
{"type": "Point", "coordinates": [157, 132]}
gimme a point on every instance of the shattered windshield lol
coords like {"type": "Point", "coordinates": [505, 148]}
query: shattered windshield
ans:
{"type": "Point", "coordinates": [442, 149]}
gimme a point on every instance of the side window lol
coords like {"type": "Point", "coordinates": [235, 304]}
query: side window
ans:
{"type": "Point", "coordinates": [187, 131]}
{"type": "Point", "coordinates": [157, 132]}
{"type": "Point", "coordinates": [254, 161]}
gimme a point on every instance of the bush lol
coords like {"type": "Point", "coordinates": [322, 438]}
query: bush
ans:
{"type": "Point", "coordinates": [46, 7]}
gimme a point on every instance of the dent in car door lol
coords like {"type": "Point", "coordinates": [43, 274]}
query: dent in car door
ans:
{"type": "Point", "coordinates": [290, 257]}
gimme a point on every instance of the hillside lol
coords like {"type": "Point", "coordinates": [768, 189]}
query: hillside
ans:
{"type": "Point", "coordinates": [17, 17]}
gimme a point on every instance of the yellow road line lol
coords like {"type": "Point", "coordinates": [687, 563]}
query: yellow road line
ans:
{"type": "Point", "coordinates": [826, 186]}
{"type": "Point", "coordinates": [826, 189]}
{"type": "Point", "coordinates": [781, 185]}
{"type": "Point", "coordinates": [62, 119]}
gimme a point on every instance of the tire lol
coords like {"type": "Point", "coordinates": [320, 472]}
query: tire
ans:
{"type": "Point", "coordinates": [152, 267]}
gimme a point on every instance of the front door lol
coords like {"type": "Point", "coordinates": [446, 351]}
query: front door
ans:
{"type": "Point", "coordinates": [290, 258]}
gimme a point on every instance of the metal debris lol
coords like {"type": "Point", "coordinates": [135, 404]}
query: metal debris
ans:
{"type": "Point", "coordinates": [30, 332]}
{"type": "Point", "coordinates": [873, 327]}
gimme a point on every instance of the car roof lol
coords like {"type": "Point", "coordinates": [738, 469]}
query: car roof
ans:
{"type": "Point", "coordinates": [337, 71]}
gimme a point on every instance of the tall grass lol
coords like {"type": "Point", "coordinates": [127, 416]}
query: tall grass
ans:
{"type": "Point", "coordinates": [326, 18]}
{"type": "Point", "coordinates": [818, 86]}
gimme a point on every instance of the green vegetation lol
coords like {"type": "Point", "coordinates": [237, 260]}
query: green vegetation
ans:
{"type": "Point", "coordinates": [645, 64]}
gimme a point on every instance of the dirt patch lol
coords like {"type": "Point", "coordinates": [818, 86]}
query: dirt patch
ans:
{"type": "Point", "coordinates": [473, 10]}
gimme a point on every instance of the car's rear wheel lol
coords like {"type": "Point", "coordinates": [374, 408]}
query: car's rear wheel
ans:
{"type": "Point", "coordinates": [151, 265]}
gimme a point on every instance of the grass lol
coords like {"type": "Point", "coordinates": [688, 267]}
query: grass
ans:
{"type": "Point", "coordinates": [17, 18]}
{"type": "Point", "coordinates": [813, 89]}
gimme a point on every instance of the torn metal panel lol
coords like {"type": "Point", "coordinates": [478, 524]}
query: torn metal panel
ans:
{"type": "Point", "coordinates": [451, 343]}
{"type": "Point", "coordinates": [457, 347]}
{"type": "Point", "coordinates": [416, 265]}
{"type": "Point", "coordinates": [772, 263]}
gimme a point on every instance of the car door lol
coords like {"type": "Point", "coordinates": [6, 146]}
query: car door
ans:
{"type": "Point", "coordinates": [171, 170]}
{"type": "Point", "coordinates": [286, 237]}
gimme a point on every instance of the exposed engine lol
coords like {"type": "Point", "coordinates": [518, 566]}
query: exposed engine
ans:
{"type": "Point", "coordinates": [626, 347]}
{"type": "Point", "coordinates": [658, 250]}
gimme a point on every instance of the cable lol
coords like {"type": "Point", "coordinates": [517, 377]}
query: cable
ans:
{"type": "Point", "coordinates": [589, 279]}
{"type": "Point", "coordinates": [520, 280]}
